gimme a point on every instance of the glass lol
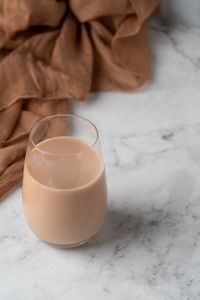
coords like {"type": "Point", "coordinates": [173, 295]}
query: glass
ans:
{"type": "Point", "coordinates": [64, 184]}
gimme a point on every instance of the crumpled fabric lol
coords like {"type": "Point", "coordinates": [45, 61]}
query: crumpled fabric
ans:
{"type": "Point", "coordinates": [51, 51]}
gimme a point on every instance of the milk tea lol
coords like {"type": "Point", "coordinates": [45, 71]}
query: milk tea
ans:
{"type": "Point", "coordinates": [64, 190]}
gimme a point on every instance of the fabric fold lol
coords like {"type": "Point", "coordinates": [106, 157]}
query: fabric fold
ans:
{"type": "Point", "coordinates": [51, 51]}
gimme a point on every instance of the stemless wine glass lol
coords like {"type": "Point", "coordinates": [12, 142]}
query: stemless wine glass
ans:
{"type": "Point", "coordinates": [64, 184]}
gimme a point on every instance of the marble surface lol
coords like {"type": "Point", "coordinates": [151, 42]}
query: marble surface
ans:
{"type": "Point", "coordinates": [187, 11]}
{"type": "Point", "coordinates": [149, 247]}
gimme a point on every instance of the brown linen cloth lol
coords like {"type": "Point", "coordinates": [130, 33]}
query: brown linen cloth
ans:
{"type": "Point", "coordinates": [53, 50]}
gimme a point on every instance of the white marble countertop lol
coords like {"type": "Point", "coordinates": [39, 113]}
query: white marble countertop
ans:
{"type": "Point", "coordinates": [149, 247]}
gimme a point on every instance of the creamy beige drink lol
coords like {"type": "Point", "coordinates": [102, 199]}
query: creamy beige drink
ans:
{"type": "Point", "coordinates": [64, 195]}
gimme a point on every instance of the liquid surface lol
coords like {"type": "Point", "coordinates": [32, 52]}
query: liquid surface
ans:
{"type": "Point", "coordinates": [66, 163]}
{"type": "Point", "coordinates": [64, 190]}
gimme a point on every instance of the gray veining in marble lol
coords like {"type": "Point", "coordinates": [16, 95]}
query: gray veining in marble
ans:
{"type": "Point", "coordinates": [149, 247]}
{"type": "Point", "coordinates": [185, 11]}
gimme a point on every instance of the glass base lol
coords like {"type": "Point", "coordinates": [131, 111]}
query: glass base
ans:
{"type": "Point", "coordinates": [68, 246]}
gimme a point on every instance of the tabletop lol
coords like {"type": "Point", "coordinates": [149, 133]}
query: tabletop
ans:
{"type": "Point", "coordinates": [149, 245]}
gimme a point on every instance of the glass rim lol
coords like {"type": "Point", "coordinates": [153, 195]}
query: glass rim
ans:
{"type": "Point", "coordinates": [39, 122]}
